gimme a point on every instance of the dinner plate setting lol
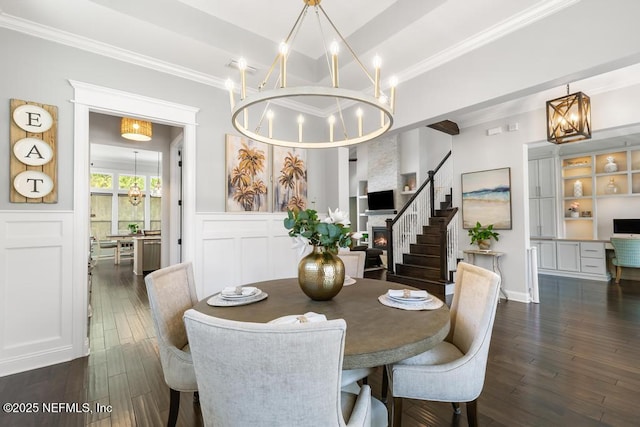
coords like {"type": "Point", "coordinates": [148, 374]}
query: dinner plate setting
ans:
{"type": "Point", "coordinates": [348, 280]}
{"type": "Point", "coordinates": [237, 295]}
{"type": "Point", "coordinates": [407, 299]}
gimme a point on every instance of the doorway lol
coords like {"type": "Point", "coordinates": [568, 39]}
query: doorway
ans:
{"type": "Point", "coordinates": [90, 98]}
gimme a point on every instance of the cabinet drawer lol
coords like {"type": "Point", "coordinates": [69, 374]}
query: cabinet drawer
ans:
{"type": "Point", "coordinates": [592, 265]}
{"type": "Point", "coordinates": [592, 250]}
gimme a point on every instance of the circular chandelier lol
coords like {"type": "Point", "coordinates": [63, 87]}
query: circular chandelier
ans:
{"type": "Point", "coordinates": [135, 194]}
{"type": "Point", "coordinates": [372, 109]}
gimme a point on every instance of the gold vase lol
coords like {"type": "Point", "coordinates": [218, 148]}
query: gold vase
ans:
{"type": "Point", "coordinates": [321, 274]}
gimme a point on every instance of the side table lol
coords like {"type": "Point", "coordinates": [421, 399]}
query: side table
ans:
{"type": "Point", "coordinates": [471, 254]}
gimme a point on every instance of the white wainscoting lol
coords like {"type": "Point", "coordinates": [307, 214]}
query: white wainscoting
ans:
{"type": "Point", "coordinates": [36, 289]}
{"type": "Point", "coordinates": [236, 249]}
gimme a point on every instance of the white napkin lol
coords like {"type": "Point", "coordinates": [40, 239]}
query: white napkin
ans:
{"type": "Point", "coordinates": [407, 294]}
{"type": "Point", "coordinates": [236, 291]}
{"type": "Point", "coordinates": [309, 317]}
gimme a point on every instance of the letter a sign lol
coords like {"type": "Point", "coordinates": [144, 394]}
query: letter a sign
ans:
{"type": "Point", "coordinates": [34, 129]}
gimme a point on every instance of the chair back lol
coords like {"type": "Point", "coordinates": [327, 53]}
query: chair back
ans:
{"type": "Point", "coordinates": [260, 374]}
{"type": "Point", "coordinates": [473, 309]}
{"type": "Point", "coordinates": [353, 263]}
{"type": "Point", "coordinates": [627, 252]}
{"type": "Point", "coordinates": [171, 292]}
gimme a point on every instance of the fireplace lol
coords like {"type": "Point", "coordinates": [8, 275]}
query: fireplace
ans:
{"type": "Point", "coordinates": [380, 237]}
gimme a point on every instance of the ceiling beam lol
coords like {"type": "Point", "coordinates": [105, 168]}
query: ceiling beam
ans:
{"type": "Point", "coordinates": [446, 126]}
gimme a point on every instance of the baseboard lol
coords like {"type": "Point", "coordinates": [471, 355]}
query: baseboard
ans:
{"type": "Point", "coordinates": [35, 360]}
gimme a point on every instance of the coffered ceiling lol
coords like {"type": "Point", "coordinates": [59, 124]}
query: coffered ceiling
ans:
{"type": "Point", "coordinates": [198, 39]}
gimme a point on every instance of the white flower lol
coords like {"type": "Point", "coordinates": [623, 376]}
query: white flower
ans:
{"type": "Point", "coordinates": [338, 217]}
{"type": "Point", "coordinates": [301, 244]}
{"type": "Point", "coordinates": [357, 235]}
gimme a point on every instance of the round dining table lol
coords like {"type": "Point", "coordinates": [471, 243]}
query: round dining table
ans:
{"type": "Point", "coordinates": [376, 334]}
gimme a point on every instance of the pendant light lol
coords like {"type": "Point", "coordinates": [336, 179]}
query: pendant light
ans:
{"type": "Point", "coordinates": [156, 191]}
{"type": "Point", "coordinates": [569, 118]}
{"type": "Point", "coordinates": [135, 195]}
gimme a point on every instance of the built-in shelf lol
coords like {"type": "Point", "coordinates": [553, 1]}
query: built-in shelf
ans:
{"type": "Point", "coordinates": [602, 175]}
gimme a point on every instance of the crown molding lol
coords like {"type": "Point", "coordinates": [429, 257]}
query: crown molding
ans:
{"type": "Point", "coordinates": [505, 27]}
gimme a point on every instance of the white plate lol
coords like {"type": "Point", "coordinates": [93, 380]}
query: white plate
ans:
{"type": "Point", "coordinates": [348, 281]}
{"type": "Point", "coordinates": [255, 292]}
{"type": "Point", "coordinates": [432, 304]}
{"type": "Point", "coordinates": [218, 301]}
{"type": "Point", "coordinates": [411, 300]}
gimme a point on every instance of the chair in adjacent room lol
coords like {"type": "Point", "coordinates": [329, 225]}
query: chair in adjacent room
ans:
{"type": "Point", "coordinates": [627, 254]}
{"type": "Point", "coordinates": [261, 374]}
{"type": "Point", "coordinates": [171, 292]}
{"type": "Point", "coordinates": [454, 370]}
{"type": "Point", "coordinates": [353, 263]}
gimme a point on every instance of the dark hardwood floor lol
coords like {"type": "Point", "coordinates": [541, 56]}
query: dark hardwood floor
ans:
{"type": "Point", "coordinates": [572, 360]}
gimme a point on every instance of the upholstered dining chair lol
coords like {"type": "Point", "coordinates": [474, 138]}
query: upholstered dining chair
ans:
{"type": "Point", "coordinates": [171, 292]}
{"type": "Point", "coordinates": [454, 370]}
{"type": "Point", "coordinates": [261, 374]}
{"type": "Point", "coordinates": [627, 254]}
{"type": "Point", "coordinates": [353, 263]}
{"type": "Point", "coordinates": [354, 267]}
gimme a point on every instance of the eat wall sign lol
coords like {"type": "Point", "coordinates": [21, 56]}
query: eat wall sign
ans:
{"type": "Point", "coordinates": [34, 171]}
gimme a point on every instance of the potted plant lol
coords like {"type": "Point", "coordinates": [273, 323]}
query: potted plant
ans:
{"type": "Point", "coordinates": [133, 228]}
{"type": "Point", "coordinates": [482, 235]}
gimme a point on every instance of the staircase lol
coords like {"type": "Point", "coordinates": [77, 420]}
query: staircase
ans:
{"type": "Point", "coordinates": [423, 256]}
{"type": "Point", "coordinates": [425, 265]}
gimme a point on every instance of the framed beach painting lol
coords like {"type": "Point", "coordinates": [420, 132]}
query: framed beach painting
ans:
{"type": "Point", "coordinates": [289, 178]}
{"type": "Point", "coordinates": [247, 175]}
{"type": "Point", "coordinates": [486, 198]}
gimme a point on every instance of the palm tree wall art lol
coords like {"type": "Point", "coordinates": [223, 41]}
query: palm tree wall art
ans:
{"type": "Point", "coordinates": [290, 178]}
{"type": "Point", "coordinates": [247, 175]}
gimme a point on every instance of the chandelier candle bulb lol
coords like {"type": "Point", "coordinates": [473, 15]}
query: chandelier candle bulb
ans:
{"type": "Point", "coordinates": [270, 120]}
{"type": "Point", "coordinates": [359, 114]}
{"type": "Point", "coordinates": [229, 85]}
{"type": "Point", "coordinates": [383, 100]}
{"type": "Point", "coordinates": [242, 66]}
{"type": "Point", "coordinates": [332, 121]}
{"type": "Point", "coordinates": [377, 62]}
{"type": "Point", "coordinates": [300, 122]}
{"type": "Point", "coordinates": [393, 81]}
{"type": "Point", "coordinates": [284, 48]}
{"type": "Point", "coordinates": [334, 63]}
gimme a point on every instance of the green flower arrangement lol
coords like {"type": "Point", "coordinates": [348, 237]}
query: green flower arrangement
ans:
{"type": "Point", "coordinates": [306, 227]}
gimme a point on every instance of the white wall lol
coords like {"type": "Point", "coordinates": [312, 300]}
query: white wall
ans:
{"type": "Point", "coordinates": [474, 151]}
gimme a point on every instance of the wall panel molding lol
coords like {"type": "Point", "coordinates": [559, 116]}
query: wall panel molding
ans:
{"type": "Point", "coordinates": [236, 249]}
{"type": "Point", "coordinates": [36, 289]}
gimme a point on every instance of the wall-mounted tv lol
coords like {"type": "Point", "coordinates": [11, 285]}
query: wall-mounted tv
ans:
{"type": "Point", "coordinates": [626, 226]}
{"type": "Point", "coordinates": [380, 200]}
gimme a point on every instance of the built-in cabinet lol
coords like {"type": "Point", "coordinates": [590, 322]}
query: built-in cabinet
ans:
{"type": "Point", "coordinates": [588, 178]}
{"type": "Point", "coordinates": [542, 198]}
{"type": "Point", "coordinates": [572, 258]}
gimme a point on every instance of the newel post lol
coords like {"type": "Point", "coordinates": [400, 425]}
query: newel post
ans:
{"type": "Point", "coordinates": [390, 264]}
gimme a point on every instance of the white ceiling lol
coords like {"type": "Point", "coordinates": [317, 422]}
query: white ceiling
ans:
{"type": "Point", "coordinates": [196, 39]}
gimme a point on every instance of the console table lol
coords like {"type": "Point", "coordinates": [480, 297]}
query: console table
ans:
{"type": "Point", "coordinates": [471, 254]}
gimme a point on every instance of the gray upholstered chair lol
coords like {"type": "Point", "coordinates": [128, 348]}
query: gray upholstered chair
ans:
{"type": "Point", "coordinates": [171, 292]}
{"type": "Point", "coordinates": [353, 263]}
{"type": "Point", "coordinates": [261, 374]}
{"type": "Point", "coordinates": [454, 370]}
